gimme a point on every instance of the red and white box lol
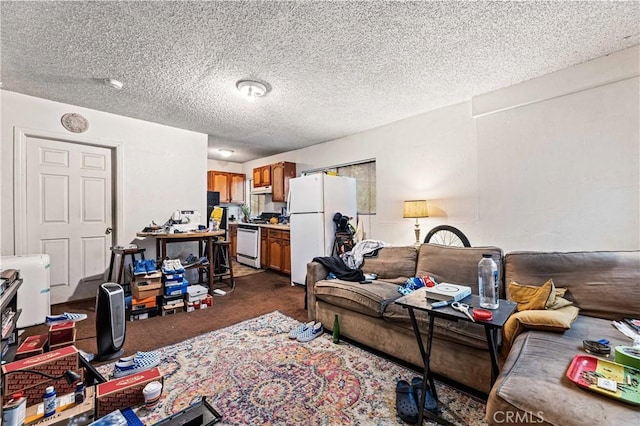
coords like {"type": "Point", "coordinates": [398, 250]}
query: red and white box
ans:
{"type": "Point", "coordinates": [54, 363]}
{"type": "Point", "coordinates": [34, 394]}
{"type": "Point", "coordinates": [32, 345]}
{"type": "Point", "coordinates": [61, 333]}
{"type": "Point", "coordinates": [208, 300]}
{"type": "Point", "coordinates": [124, 392]}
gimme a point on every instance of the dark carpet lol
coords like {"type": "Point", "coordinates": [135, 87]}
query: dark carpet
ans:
{"type": "Point", "coordinates": [254, 295]}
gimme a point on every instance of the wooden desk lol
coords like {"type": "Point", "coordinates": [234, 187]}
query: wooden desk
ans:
{"type": "Point", "coordinates": [201, 237]}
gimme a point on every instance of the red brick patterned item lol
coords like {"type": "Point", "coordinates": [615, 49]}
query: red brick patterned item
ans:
{"type": "Point", "coordinates": [32, 345]}
{"type": "Point", "coordinates": [124, 392]}
{"type": "Point", "coordinates": [54, 363]}
{"type": "Point", "coordinates": [63, 332]}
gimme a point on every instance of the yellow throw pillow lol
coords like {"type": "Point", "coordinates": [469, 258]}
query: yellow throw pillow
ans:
{"type": "Point", "coordinates": [557, 320]}
{"type": "Point", "coordinates": [529, 296]}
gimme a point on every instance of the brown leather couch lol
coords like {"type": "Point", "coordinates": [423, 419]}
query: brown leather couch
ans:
{"type": "Point", "coordinates": [532, 387]}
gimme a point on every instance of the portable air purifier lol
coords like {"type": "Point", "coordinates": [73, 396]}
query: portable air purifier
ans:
{"type": "Point", "coordinates": [110, 321]}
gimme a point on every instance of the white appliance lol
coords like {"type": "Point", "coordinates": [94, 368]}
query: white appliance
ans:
{"type": "Point", "coordinates": [313, 201]}
{"type": "Point", "coordinates": [34, 293]}
{"type": "Point", "coordinates": [185, 221]}
{"type": "Point", "coordinates": [262, 190]}
{"type": "Point", "coordinates": [248, 244]}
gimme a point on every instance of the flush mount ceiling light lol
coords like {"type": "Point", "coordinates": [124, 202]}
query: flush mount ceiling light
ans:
{"type": "Point", "coordinates": [113, 83]}
{"type": "Point", "coordinates": [251, 89]}
{"type": "Point", "coordinates": [226, 153]}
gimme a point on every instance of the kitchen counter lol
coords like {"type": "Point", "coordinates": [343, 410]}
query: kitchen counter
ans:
{"type": "Point", "coordinates": [278, 226]}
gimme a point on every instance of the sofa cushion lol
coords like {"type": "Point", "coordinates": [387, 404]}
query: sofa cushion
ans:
{"type": "Point", "coordinates": [557, 320]}
{"type": "Point", "coordinates": [392, 264]}
{"type": "Point", "coordinates": [465, 332]}
{"type": "Point", "coordinates": [456, 265]}
{"type": "Point", "coordinates": [603, 284]}
{"type": "Point", "coordinates": [533, 379]}
{"type": "Point", "coordinates": [369, 299]}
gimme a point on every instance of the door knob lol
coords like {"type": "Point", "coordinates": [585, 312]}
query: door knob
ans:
{"type": "Point", "coordinates": [108, 230]}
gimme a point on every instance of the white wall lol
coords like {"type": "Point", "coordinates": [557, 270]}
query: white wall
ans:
{"type": "Point", "coordinates": [549, 164]}
{"type": "Point", "coordinates": [163, 168]}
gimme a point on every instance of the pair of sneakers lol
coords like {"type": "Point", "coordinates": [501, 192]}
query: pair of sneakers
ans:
{"type": "Point", "coordinates": [137, 363]}
{"type": "Point", "coordinates": [172, 266]}
{"type": "Point", "coordinates": [191, 260]}
{"type": "Point", "coordinates": [144, 266]}
{"type": "Point", "coordinates": [65, 317]}
{"type": "Point", "coordinates": [307, 332]}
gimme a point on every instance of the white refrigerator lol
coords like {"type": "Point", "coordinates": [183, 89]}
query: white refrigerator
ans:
{"type": "Point", "coordinates": [312, 203]}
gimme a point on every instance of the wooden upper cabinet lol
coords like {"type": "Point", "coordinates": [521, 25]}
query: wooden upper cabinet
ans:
{"type": "Point", "coordinates": [281, 173]}
{"type": "Point", "coordinates": [229, 185]}
{"type": "Point", "coordinates": [262, 176]}
{"type": "Point", "coordinates": [236, 188]}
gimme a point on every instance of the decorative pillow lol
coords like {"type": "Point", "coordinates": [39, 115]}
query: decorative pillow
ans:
{"type": "Point", "coordinates": [557, 320]}
{"type": "Point", "coordinates": [531, 297]}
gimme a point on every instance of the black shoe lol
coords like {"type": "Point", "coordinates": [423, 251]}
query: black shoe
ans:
{"type": "Point", "coordinates": [430, 403]}
{"type": "Point", "coordinates": [406, 405]}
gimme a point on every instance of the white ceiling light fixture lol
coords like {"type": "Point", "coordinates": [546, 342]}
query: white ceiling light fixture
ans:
{"type": "Point", "coordinates": [113, 83]}
{"type": "Point", "coordinates": [226, 153]}
{"type": "Point", "coordinates": [251, 89]}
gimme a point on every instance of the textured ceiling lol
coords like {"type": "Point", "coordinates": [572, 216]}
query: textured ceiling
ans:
{"type": "Point", "coordinates": [335, 68]}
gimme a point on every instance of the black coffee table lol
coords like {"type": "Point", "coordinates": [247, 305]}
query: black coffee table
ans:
{"type": "Point", "coordinates": [417, 301]}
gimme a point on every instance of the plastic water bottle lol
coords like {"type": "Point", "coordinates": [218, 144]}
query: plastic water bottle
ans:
{"type": "Point", "coordinates": [336, 330]}
{"type": "Point", "coordinates": [49, 401]}
{"type": "Point", "coordinates": [488, 282]}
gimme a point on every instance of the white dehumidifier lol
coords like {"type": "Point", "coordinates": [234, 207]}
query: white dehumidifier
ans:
{"type": "Point", "coordinates": [110, 321]}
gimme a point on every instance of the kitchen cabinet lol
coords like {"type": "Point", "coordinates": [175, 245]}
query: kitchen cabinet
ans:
{"type": "Point", "coordinates": [262, 176]}
{"type": "Point", "coordinates": [229, 185]}
{"type": "Point", "coordinates": [233, 240]}
{"type": "Point", "coordinates": [280, 175]}
{"type": "Point", "coordinates": [279, 251]}
{"type": "Point", "coordinates": [264, 248]}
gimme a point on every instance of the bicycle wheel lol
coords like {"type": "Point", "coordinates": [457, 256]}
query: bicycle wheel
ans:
{"type": "Point", "coordinates": [447, 236]}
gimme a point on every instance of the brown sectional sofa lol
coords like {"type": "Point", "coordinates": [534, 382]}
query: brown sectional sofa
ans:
{"type": "Point", "coordinates": [532, 387]}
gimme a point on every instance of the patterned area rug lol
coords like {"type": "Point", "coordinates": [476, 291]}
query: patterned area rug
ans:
{"type": "Point", "coordinates": [252, 373]}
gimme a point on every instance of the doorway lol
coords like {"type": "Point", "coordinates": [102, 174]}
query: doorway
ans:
{"type": "Point", "coordinates": [65, 207]}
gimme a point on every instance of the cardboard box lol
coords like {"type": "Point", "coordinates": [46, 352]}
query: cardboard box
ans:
{"type": "Point", "coordinates": [54, 363]}
{"type": "Point", "coordinates": [147, 288]}
{"type": "Point", "coordinates": [64, 332]}
{"type": "Point", "coordinates": [137, 304]}
{"type": "Point", "coordinates": [177, 289]}
{"type": "Point", "coordinates": [34, 394]}
{"type": "Point", "coordinates": [124, 392]}
{"type": "Point", "coordinates": [208, 300]}
{"type": "Point", "coordinates": [66, 414]}
{"type": "Point", "coordinates": [63, 344]}
{"type": "Point", "coordinates": [32, 345]}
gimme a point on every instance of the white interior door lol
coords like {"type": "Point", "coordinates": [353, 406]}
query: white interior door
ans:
{"type": "Point", "coordinates": [68, 210]}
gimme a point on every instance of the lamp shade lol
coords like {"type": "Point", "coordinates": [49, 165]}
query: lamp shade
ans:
{"type": "Point", "coordinates": [415, 208]}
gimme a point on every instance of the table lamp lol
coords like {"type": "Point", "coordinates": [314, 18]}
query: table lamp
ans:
{"type": "Point", "coordinates": [415, 209]}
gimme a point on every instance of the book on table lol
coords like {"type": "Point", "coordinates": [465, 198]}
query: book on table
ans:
{"type": "Point", "coordinates": [448, 292]}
